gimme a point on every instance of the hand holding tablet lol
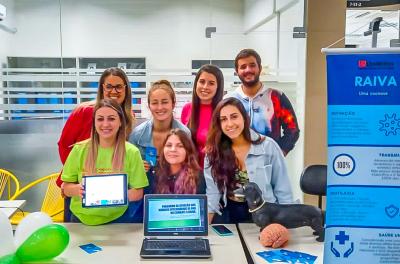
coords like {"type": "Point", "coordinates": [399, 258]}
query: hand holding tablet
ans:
{"type": "Point", "coordinates": [105, 190]}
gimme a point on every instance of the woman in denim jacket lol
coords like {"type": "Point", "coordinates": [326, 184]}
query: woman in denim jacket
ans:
{"type": "Point", "coordinates": [152, 133]}
{"type": "Point", "coordinates": [237, 155]}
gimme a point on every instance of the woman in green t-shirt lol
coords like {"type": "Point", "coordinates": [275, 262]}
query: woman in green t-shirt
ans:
{"type": "Point", "coordinates": [105, 152]}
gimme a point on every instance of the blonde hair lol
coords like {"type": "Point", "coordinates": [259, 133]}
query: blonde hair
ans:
{"type": "Point", "coordinates": [94, 141]}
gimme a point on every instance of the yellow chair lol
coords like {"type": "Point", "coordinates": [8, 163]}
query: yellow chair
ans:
{"type": "Point", "coordinates": [6, 180]}
{"type": "Point", "coordinates": [53, 202]}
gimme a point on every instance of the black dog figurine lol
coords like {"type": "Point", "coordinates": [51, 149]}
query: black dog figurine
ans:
{"type": "Point", "coordinates": [288, 215]}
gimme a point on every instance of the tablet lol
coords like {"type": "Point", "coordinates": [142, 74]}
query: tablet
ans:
{"type": "Point", "coordinates": [105, 190]}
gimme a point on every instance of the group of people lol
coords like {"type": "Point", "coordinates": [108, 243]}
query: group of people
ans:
{"type": "Point", "coordinates": [218, 145]}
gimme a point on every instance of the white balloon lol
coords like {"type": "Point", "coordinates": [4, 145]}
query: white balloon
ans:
{"type": "Point", "coordinates": [29, 225]}
{"type": "Point", "coordinates": [7, 245]}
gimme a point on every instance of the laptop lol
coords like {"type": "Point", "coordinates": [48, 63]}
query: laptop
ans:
{"type": "Point", "coordinates": [175, 226]}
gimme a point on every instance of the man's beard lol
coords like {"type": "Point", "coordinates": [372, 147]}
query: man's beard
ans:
{"type": "Point", "coordinates": [250, 83]}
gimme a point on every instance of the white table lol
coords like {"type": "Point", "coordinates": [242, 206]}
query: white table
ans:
{"type": "Point", "coordinates": [121, 243]}
{"type": "Point", "coordinates": [301, 239]}
{"type": "Point", "coordinates": [10, 207]}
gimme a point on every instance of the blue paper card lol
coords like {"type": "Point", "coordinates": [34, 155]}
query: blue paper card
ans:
{"type": "Point", "coordinates": [90, 248]}
{"type": "Point", "coordinates": [151, 155]}
{"type": "Point", "coordinates": [287, 256]}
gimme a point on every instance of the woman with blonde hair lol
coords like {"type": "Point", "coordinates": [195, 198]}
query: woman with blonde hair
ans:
{"type": "Point", "coordinates": [151, 134]}
{"type": "Point", "coordinates": [113, 84]}
{"type": "Point", "coordinates": [106, 152]}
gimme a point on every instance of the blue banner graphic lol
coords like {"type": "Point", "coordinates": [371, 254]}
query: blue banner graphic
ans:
{"type": "Point", "coordinates": [363, 194]}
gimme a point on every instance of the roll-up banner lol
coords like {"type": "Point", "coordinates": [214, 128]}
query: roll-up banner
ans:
{"type": "Point", "coordinates": [363, 192]}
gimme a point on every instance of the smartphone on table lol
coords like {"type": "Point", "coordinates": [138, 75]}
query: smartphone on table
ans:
{"type": "Point", "coordinates": [222, 230]}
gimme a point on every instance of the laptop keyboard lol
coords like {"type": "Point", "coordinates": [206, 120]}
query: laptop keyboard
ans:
{"type": "Point", "coordinates": [181, 244]}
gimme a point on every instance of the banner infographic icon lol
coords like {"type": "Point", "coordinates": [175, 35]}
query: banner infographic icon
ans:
{"type": "Point", "coordinates": [363, 193]}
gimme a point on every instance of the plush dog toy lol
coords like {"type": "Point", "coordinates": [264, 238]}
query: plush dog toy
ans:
{"type": "Point", "coordinates": [288, 215]}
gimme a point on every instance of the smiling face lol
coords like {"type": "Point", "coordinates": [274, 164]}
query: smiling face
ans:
{"type": "Point", "coordinates": [232, 121]}
{"type": "Point", "coordinates": [174, 151]}
{"type": "Point", "coordinates": [248, 71]}
{"type": "Point", "coordinates": [107, 123]}
{"type": "Point", "coordinates": [161, 104]}
{"type": "Point", "coordinates": [206, 87]}
{"type": "Point", "coordinates": [114, 88]}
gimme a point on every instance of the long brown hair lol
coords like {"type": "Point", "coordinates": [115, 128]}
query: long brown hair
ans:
{"type": "Point", "coordinates": [187, 180]}
{"type": "Point", "coordinates": [94, 141]}
{"type": "Point", "coordinates": [221, 157]}
{"type": "Point", "coordinates": [127, 103]}
{"type": "Point", "coordinates": [194, 120]}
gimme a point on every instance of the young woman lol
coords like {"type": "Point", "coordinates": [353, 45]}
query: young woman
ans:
{"type": "Point", "coordinates": [178, 170]}
{"type": "Point", "coordinates": [113, 84]}
{"type": "Point", "coordinates": [208, 91]}
{"type": "Point", "coordinates": [152, 133]}
{"type": "Point", "coordinates": [105, 152]}
{"type": "Point", "coordinates": [237, 155]}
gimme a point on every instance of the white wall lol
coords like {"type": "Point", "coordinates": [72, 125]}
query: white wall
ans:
{"type": "Point", "coordinates": [256, 11]}
{"type": "Point", "coordinates": [272, 23]}
{"type": "Point", "coordinates": [274, 37]}
{"type": "Point", "coordinates": [168, 33]}
{"type": "Point", "coordinates": [6, 37]}
{"type": "Point", "coordinates": [38, 24]}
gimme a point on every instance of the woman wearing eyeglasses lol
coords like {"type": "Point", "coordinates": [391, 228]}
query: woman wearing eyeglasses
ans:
{"type": "Point", "coordinates": [113, 84]}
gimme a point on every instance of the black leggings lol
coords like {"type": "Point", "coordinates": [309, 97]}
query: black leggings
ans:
{"type": "Point", "coordinates": [233, 213]}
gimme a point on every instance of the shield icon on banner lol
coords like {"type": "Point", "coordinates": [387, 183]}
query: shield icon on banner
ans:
{"type": "Point", "coordinates": [391, 210]}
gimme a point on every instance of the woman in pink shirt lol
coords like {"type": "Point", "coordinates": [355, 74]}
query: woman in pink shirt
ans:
{"type": "Point", "coordinates": [208, 90]}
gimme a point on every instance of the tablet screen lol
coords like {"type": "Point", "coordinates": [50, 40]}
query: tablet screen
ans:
{"type": "Point", "coordinates": [105, 190]}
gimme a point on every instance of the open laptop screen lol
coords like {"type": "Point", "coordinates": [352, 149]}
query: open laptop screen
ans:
{"type": "Point", "coordinates": [175, 215]}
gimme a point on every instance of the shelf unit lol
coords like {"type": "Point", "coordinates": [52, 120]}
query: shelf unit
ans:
{"type": "Point", "coordinates": [33, 87]}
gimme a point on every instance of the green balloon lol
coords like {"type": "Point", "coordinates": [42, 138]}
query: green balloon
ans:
{"type": "Point", "coordinates": [45, 243]}
{"type": "Point", "coordinates": [9, 259]}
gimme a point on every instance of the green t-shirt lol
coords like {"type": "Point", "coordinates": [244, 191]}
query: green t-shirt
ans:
{"type": "Point", "coordinates": [72, 172]}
